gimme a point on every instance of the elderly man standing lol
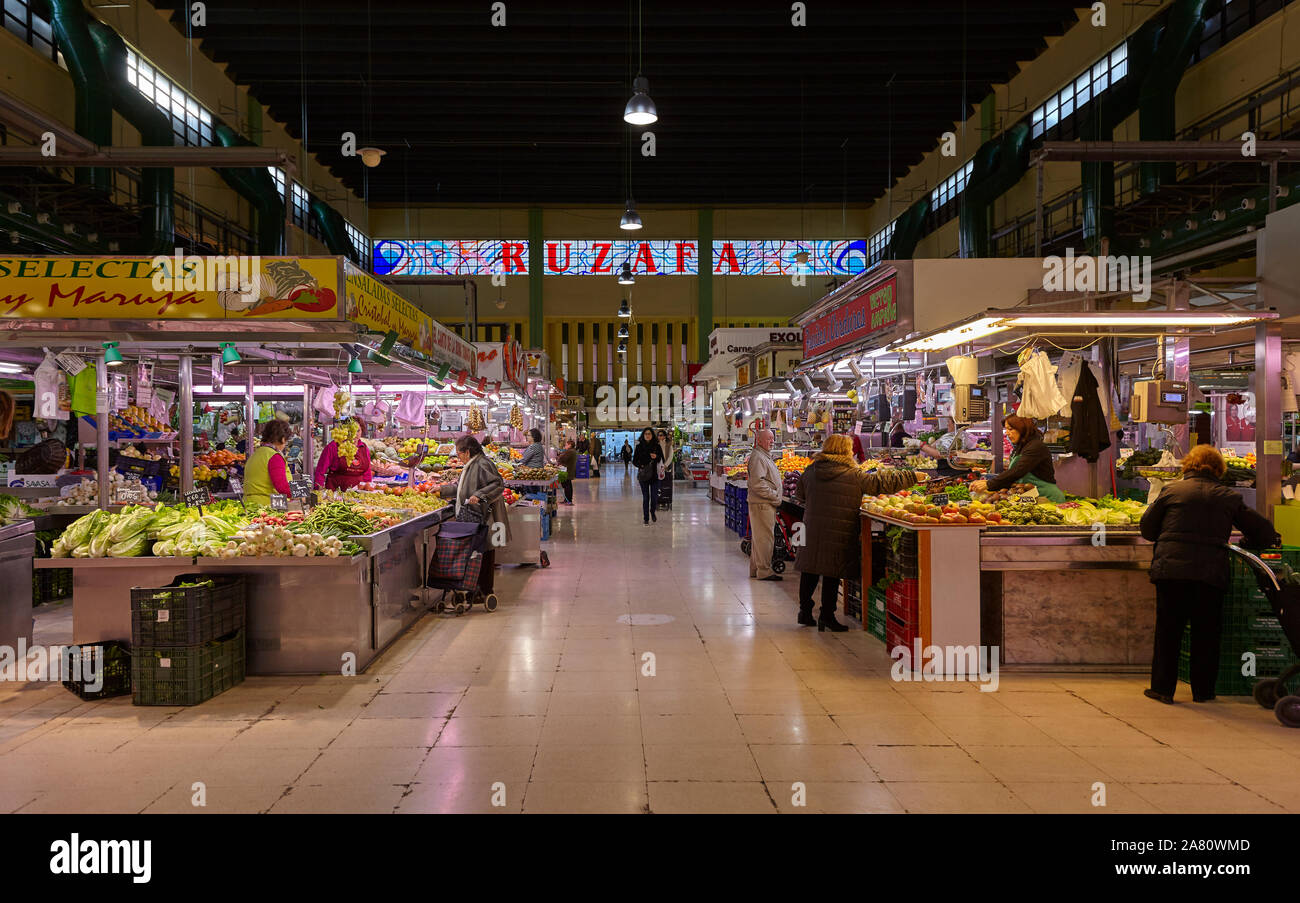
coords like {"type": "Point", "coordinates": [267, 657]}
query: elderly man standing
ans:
{"type": "Point", "coordinates": [764, 500]}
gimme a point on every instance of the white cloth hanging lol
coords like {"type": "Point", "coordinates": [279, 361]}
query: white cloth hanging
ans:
{"type": "Point", "coordinates": [964, 370]}
{"type": "Point", "coordinates": [1040, 397]}
{"type": "Point", "coordinates": [410, 410]}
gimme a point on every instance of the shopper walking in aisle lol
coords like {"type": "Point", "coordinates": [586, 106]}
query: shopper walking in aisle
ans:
{"type": "Point", "coordinates": [597, 447]}
{"type": "Point", "coordinates": [666, 443]}
{"type": "Point", "coordinates": [646, 459]}
{"type": "Point", "coordinates": [568, 459]}
{"type": "Point", "coordinates": [583, 445]}
{"type": "Point", "coordinates": [535, 453]}
{"type": "Point", "coordinates": [627, 456]}
{"type": "Point", "coordinates": [1190, 522]}
{"type": "Point", "coordinates": [764, 500]}
{"type": "Point", "coordinates": [481, 490]}
{"type": "Point", "coordinates": [831, 491]}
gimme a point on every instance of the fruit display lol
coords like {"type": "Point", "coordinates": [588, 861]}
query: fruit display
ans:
{"type": "Point", "coordinates": [542, 474]}
{"type": "Point", "coordinates": [516, 417]}
{"type": "Point", "coordinates": [921, 462]}
{"type": "Point", "coordinates": [790, 484]}
{"type": "Point", "coordinates": [202, 473]}
{"type": "Point", "coordinates": [135, 421]}
{"type": "Point", "coordinates": [917, 508]}
{"type": "Point", "coordinates": [130, 451]}
{"type": "Point", "coordinates": [220, 458]}
{"type": "Point", "coordinates": [432, 461]}
{"type": "Point", "coordinates": [345, 434]}
{"type": "Point", "coordinates": [740, 472]}
{"type": "Point", "coordinates": [392, 499]}
{"type": "Point", "coordinates": [792, 463]}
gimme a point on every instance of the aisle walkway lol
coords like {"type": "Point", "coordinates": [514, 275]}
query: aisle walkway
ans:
{"type": "Point", "coordinates": [549, 705]}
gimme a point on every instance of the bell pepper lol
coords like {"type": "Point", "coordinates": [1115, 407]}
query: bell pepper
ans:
{"type": "Point", "coordinates": [315, 299]}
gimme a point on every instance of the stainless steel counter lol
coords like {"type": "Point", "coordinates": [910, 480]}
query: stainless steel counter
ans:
{"type": "Point", "coordinates": [17, 549]}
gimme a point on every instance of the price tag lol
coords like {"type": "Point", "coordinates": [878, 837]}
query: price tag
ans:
{"type": "Point", "coordinates": [198, 497]}
{"type": "Point", "coordinates": [279, 502]}
{"type": "Point", "coordinates": [236, 485]}
{"type": "Point", "coordinates": [131, 495]}
{"type": "Point", "coordinates": [70, 362]}
{"type": "Point", "coordinates": [299, 488]}
{"type": "Point", "coordinates": [164, 615]}
{"type": "Point", "coordinates": [1272, 446]}
{"type": "Point", "coordinates": [421, 451]}
{"type": "Point", "coordinates": [939, 498]}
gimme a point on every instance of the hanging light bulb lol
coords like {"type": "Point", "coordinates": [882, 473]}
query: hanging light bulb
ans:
{"type": "Point", "coordinates": [631, 219]}
{"type": "Point", "coordinates": [354, 365]}
{"type": "Point", "coordinates": [112, 357]}
{"type": "Point", "coordinates": [623, 310]}
{"type": "Point", "coordinates": [622, 331]}
{"type": "Point", "coordinates": [640, 109]}
{"type": "Point", "coordinates": [228, 353]}
{"type": "Point", "coordinates": [380, 356]}
{"type": "Point", "coordinates": [625, 276]}
{"type": "Point", "coordinates": [622, 347]}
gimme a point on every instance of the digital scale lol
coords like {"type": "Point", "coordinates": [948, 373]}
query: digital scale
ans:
{"type": "Point", "coordinates": [1158, 401]}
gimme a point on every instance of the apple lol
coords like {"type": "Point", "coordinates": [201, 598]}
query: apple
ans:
{"type": "Point", "coordinates": [994, 517]}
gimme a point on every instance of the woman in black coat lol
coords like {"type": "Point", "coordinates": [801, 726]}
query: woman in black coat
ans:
{"type": "Point", "coordinates": [831, 491]}
{"type": "Point", "coordinates": [1190, 522]}
{"type": "Point", "coordinates": [646, 459]}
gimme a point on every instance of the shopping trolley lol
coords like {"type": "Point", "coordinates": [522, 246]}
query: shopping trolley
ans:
{"type": "Point", "coordinates": [1272, 692]}
{"type": "Point", "coordinates": [789, 514]}
{"type": "Point", "coordinates": [455, 565]}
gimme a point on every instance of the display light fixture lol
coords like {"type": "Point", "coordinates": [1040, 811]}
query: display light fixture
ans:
{"type": "Point", "coordinates": [112, 357]}
{"type": "Point", "coordinates": [622, 347]}
{"type": "Point", "coordinates": [622, 332]}
{"type": "Point", "coordinates": [808, 386]}
{"type": "Point", "coordinates": [640, 109]}
{"type": "Point", "coordinates": [7, 367]}
{"type": "Point", "coordinates": [832, 381]}
{"type": "Point", "coordinates": [1137, 318]}
{"type": "Point", "coordinates": [381, 356]}
{"type": "Point", "coordinates": [354, 364]}
{"type": "Point", "coordinates": [624, 310]}
{"type": "Point", "coordinates": [631, 220]}
{"type": "Point", "coordinates": [790, 387]}
{"type": "Point", "coordinates": [958, 335]}
{"type": "Point", "coordinates": [625, 276]}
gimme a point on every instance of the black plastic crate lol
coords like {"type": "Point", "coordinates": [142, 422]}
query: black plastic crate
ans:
{"type": "Point", "coordinates": [187, 675]}
{"type": "Point", "coordinates": [176, 615]}
{"type": "Point", "coordinates": [116, 665]}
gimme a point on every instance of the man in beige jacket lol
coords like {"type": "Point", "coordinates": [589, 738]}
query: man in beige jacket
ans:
{"type": "Point", "coordinates": [764, 500]}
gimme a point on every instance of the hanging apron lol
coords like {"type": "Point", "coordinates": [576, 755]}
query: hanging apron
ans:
{"type": "Point", "coordinates": [1049, 491]}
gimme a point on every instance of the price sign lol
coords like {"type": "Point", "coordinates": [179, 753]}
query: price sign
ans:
{"type": "Point", "coordinates": [421, 451]}
{"type": "Point", "coordinates": [939, 498]}
{"type": "Point", "coordinates": [279, 502]}
{"type": "Point", "coordinates": [236, 485]}
{"type": "Point", "coordinates": [299, 488]}
{"type": "Point", "coordinates": [198, 498]}
{"type": "Point", "coordinates": [131, 495]}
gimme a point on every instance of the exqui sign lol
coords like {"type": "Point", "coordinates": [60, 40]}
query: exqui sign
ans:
{"type": "Point", "coordinates": [870, 312]}
{"type": "Point", "coordinates": [597, 257]}
{"type": "Point", "coordinates": [745, 339]}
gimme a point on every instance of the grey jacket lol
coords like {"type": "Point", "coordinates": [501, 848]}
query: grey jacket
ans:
{"type": "Point", "coordinates": [480, 477]}
{"type": "Point", "coordinates": [534, 456]}
{"type": "Point", "coordinates": [764, 479]}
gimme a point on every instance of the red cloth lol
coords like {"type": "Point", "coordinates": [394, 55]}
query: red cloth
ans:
{"type": "Point", "coordinates": [278, 470]}
{"type": "Point", "coordinates": [332, 472]}
{"type": "Point", "coordinates": [858, 451]}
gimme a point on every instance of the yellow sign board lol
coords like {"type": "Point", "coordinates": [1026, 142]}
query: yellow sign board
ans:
{"type": "Point", "coordinates": [376, 306]}
{"type": "Point", "coordinates": [170, 288]}
{"type": "Point", "coordinates": [742, 375]}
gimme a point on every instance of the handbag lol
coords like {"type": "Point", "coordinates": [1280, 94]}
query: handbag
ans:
{"type": "Point", "coordinates": [646, 472]}
{"type": "Point", "coordinates": [660, 470]}
{"type": "Point", "coordinates": [471, 513]}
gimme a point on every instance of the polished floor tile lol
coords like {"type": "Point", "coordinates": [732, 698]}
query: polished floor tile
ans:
{"type": "Point", "coordinates": [562, 702]}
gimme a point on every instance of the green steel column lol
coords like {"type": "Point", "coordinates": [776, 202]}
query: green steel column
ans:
{"type": "Point", "coordinates": [704, 309]}
{"type": "Point", "coordinates": [536, 266]}
{"type": "Point", "coordinates": [988, 117]}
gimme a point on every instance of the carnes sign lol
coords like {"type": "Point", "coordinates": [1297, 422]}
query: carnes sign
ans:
{"type": "Point", "coordinates": [870, 312]}
{"type": "Point", "coordinates": [741, 341]}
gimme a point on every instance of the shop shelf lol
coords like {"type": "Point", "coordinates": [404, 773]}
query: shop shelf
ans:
{"type": "Point", "coordinates": [116, 667]}
{"type": "Point", "coordinates": [176, 615]}
{"type": "Point", "coordinates": [187, 675]}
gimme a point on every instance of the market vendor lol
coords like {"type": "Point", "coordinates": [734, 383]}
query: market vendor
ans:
{"type": "Point", "coordinates": [342, 466]}
{"type": "Point", "coordinates": [1031, 462]}
{"type": "Point", "coordinates": [267, 471]}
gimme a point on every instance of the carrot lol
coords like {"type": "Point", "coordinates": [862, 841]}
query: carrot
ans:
{"type": "Point", "coordinates": [271, 306]}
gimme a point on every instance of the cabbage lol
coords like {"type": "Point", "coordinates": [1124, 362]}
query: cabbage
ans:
{"type": "Point", "coordinates": [128, 523]}
{"type": "Point", "coordinates": [59, 550]}
{"type": "Point", "coordinates": [99, 544]}
{"type": "Point", "coordinates": [164, 549]}
{"type": "Point", "coordinates": [80, 530]}
{"type": "Point", "coordinates": [132, 548]}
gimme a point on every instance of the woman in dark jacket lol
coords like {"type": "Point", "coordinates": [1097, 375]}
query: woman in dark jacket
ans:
{"type": "Point", "coordinates": [480, 486]}
{"type": "Point", "coordinates": [647, 457]}
{"type": "Point", "coordinates": [831, 491]}
{"type": "Point", "coordinates": [1031, 462]}
{"type": "Point", "coordinates": [1190, 522]}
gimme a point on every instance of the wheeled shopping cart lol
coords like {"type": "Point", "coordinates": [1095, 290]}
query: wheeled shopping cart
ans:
{"type": "Point", "coordinates": [787, 516]}
{"type": "Point", "coordinates": [1272, 692]}
{"type": "Point", "coordinates": [455, 566]}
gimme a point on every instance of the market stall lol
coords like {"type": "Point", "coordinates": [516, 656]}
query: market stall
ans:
{"type": "Point", "coordinates": [348, 574]}
{"type": "Point", "coordinates": [946, 569]}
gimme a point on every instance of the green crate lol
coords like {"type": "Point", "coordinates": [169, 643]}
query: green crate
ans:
{"type": "Point", "coordinates": [186, 675]}
{"type": "Point", "coordinates": [876, 623]}
{"type": "Point", "coordinates": [1272, 657]}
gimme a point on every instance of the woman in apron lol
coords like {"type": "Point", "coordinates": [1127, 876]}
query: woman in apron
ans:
{"type": "Point", "coordinates": [1031, 462]}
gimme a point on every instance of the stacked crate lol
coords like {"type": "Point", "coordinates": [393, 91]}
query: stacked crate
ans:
{"type": "Point", "coordinates": [188, 640]}
{"type": "Point", "coordinates": [851, 591]}
{"type": "Point", "coordinates": [903, 592]}
{"type": "Point", "coordinates": [736, 499]}
{"type": "Point", "coordinates": [1249, 626]}
{"type": "Point", "coordinates": [875, 617]}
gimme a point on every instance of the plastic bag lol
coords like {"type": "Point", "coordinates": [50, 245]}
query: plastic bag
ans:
{"type": "Point", "coordinates": [410, 410]}
{"type": "Point", "coordinates": [324, 403]}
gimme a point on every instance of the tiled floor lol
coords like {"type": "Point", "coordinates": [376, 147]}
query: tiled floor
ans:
{"type": "Point", "coordinates": [552, 704]}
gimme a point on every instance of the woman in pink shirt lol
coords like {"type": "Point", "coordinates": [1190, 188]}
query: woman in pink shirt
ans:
{"type": "Point", "coordinates": [332, 472]}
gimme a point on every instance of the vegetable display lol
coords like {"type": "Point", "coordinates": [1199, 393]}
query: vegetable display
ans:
{"type": "Point", "coordinates": [271, 541]}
